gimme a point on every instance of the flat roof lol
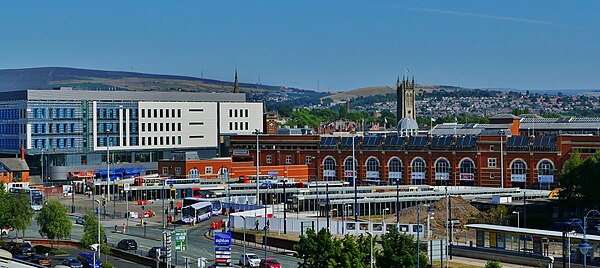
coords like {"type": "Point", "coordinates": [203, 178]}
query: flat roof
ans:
{"type": "Point", "coordinates": [120, 95]}
{"type": "Point", "coordinates": [530, 232]}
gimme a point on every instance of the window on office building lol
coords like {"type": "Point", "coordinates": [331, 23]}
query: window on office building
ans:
{"type": "Point", "coordinates": [162, 141]}
{"type": "Point", "coordinates": [288, 159]}
{"type": "Point", "coordinates": [161, 113]}
{"type": "Point", "coordinates": [161, 126]}
{"type": "Point", "coordinates": [269, 159]}
{"type": "Point", "coordinates": [155, 140]}
{"type": "Point", "coordinates": [208, 170]}
{"type": "Point", "coordinates": [246, 125]}
{"type": "Point", "coordinates": [166, 113]}
{"type": "Point", "coordinates": [165, 170]}
{"type": "Point", "coordinates": [143, 113]}
{"type": "Point", "coordinates": [173, 126]}
{"type": "Point", "coordinates": [178, 126]}
{"type": "Point", "coordinates": [246, 111]}
{"type": "Point", "coordinates": [179, 113]}
{"type": "Point", "coordinates": [230, 125]}
{"type": "Point", "coordinates": [143, 141]}
{"type": "Point", "coordinates": [155, 126]}
{"type": "Point", "coordinates": [168, 141]}
{"type": "Point", "coordinates": [492, 162]}
{"type": "Point", "coordinates": [308, 160]}
{"type": "Point", "coordinates": [173, 140]}
{"type": "Point", "coordinates": [230, 112]}
{"type": "Point", "coordinates": [178, 139]}
{"type": "Point", "coordinates": [491, 148]}
{"type": "Point", "coordinates": [167, 125]}
{"type": "Point", "coordinates": [177, 170]}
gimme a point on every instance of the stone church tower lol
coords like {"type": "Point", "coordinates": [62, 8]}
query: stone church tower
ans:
{"type": "Point", "coordinates": [406, 99]}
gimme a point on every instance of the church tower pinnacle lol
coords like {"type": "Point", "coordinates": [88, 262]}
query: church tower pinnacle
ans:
{"type": "Point", "coordinates": [236, 87]}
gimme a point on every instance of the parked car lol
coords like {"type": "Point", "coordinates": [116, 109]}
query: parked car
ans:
{"type": "Point", "coordinates": [24, 248]}
{"type": "Point", "coordinates": [41, 260]}
{"type": "Point", "coordinates": [148, 214]}
{"type": "Point", "coordinates": [80, 220]}
{"type": "Point", "coordinates": [152, 253]}
{"type": "Point", "coordinates": [72, 262]}
{"type": "Point", "coordinates": [87, 258]}
{"type": "Point", "coordinates": [4, 231]}
{"type": "Point", "coordinates": [249, 260]}
{"type": "Point", "coordinates": [22, 257]}
{"type": "Point", "coordinates": [127, 244]}
{"type": "Point", "coordinates": [269, 263]}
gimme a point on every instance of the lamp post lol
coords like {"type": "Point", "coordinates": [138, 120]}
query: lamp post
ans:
{"type": "Point", "coordinates": [429, 217]}
{"type": "Point", "coordinates": [383, 215]}
{"type": "Point", "coordinates": [397, 201]}
{"type": "Point", "coordinates": [371, 257]}
{"type": "Point", "coordinates": [518, 220]}
{"type": "Point", "coordinates": [569, 234]}
{"type": "Point", "coordinates": [257, 132]}
{"type": "Point", "coordinates": [99, 241]}
{"type": "Point", "coordinates": [502, 158]}
{"type": "Point", "coordinates": [354, 180]}
{"type": "Point", "coordinates": [585, 247]}
{"type": "Point", "coordinates": [127, 208]}
{"type": "Point", "coordinates": [244, 218]}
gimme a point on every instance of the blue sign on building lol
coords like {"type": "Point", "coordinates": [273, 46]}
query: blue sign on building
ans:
{"type": "Point", "coordinates": [223, 239]}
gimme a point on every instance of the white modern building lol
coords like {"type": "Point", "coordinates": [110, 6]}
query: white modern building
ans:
{"type": "Point", "coordinates": [73, 128]}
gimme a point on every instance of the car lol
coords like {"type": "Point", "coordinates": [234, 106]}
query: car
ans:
{"type": "Point", "coordinates": [269, 263]}
{"type": "Point", "coordinates": [87, 258]}
{"type": "Point", "coordinates": [41, 260]}
{"type": "Point", "coordinates": [152, 253]}
{"type": "Point", "coordinates": [72, 262]}
{"type": "Point", "coordinates": [80, 220]}
{"type": "Point", "coordinates": [24, 248]}
{"type": "Point", "coordinates": [127, 244]}
{"type": "Point", "coordinates": [22, 257]}
{"type": "Point", "coordinates": [249, 260]}
{"type": "Point", "coordinates": [148, 214]}
{"type": "Point", "coordinates": [4, 231]}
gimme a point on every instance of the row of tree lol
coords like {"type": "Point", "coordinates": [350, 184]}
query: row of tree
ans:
{"type": "Point", "coordinates": [321, 249]}
{"type": "Point", "coordinates": [15, 210]}
{"type": "Point", "coordinates": [578, 181]}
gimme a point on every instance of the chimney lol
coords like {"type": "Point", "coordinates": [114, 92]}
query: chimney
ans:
{"type": "Point", "coordinates": [22, 152]}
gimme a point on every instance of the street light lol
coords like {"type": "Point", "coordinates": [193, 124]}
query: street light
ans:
{"type": "Point", "coordinates": [371, 257]}
{"type": "Point", "coordinates": [518, 219]}
{"type": "Point", "coordinates": [501, 158]}
{"type": "Point", "coordinates": [99, 242]}
{"type": "Point", "coordinates": [569, 234]}
{"type": "Point", "coordinates": [354, 180]}
{"type": "Point", "coordinates": [429, 217]}
{"type": "Point", "coordinates": [383, 216]}
{"type": "Point", "coordinates": [244, 218]}
{"type": "Point", "coordinates": [585, 247]}
{"type": "Point", "coordinates": [257, 132]}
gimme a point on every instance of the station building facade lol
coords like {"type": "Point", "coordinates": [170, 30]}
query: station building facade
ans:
{"type": "Point", "coordinates": [72, 130]}
{"type": "Point", "coordinates": [494, 155]}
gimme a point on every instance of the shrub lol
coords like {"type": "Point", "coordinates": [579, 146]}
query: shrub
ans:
{"type": "Point", "coordinates": [107, 265]}
{"type": "Point", "coordinates": [493, 264]}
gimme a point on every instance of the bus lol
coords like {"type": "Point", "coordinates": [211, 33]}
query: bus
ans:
{"type": "Point", "coordinates": [252, 178]}
{"type": "Point", "coordinates": [148, 180]}
{"type": "Point", "coordinates": [35, 196]}
{"type": "Point", "coordinates": [217, 206]}
{"type": "Point", "coordinates": [196, 212]}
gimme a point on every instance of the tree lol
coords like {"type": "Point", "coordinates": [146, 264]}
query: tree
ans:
{"type": "Point", "coordinates": [5, 207]}
{"type": "Point", "coordinates": [399, 250]}
{"type": "Point", "coordinates": [90, 233]}
{"type": "Point", "coordinates": [21, 212]}
{"type": "Point", "coordinates": [355, 252]}
{"type": "Point", "coordinates": [53, 221]}
{"type": "Point", "coordinates": [317, 249]}
{"type": "Point", "coordinates": [578, 181]}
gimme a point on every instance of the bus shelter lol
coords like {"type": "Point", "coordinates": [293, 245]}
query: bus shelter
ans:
{"type": "Point", "coordinates": [534, 241]}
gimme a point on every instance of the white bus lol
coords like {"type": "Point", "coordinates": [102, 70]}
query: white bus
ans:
{"type": "Point", "coordinates": [217, 206]}
{"type": "Point", "coordinates": [35, 196]}
{"type": "Point", "coordinates": [196, 212]}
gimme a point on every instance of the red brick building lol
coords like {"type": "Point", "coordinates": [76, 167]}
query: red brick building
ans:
{"type": "Point", "coordinates": [436, 160]}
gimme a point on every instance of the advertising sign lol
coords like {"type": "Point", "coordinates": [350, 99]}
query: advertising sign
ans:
{"type": "Point", "coordinates": [239, 152]}
{"type": "Point", "coordinates": [467, 176]}
{"type": "Point", "coordinates": [223, 239]}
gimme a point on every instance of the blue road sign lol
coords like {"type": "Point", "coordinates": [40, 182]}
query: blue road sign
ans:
{"type": "Point", "coordinates": [222, 248]}
{"type": "Point", "coordinates": [272, 173]}
{"type": "Point", "coordinates": [223, 239]}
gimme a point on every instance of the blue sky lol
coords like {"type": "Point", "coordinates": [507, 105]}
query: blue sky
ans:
{"type": "Point", "coordinates": [336, 45]}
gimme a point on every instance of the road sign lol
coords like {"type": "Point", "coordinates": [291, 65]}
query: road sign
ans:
{"type": "Point", "coordinates": [223, 239]}
{"type": "Point", "coordinates": [180, 240]}
{"type": "Point", "coordinates": [272, 173]}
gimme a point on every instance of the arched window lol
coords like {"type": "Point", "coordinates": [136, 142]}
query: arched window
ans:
{"type": "Point", "coordinates": [329, 168]}
{"type": "Point", "coordinates": [518, 171]}
{"type": "Point", "coordinates": [193, 174]}
{"type": "Point", "coordinates": [395, 170]}
{"type": "Point", "coordinates": [467, 170]}
{"type": "Point", "coordinates": [372, 168]}
{"type": "Point", "coordinates": [418, 171]}
{"type": "Point", "coordinates": [223, 172]}
{"type": "Point", "coordinates": [442, 169]}
{"type": "Point", "coordinates": [349, 173]}
{"type": "Point", "coordinates": [545, 172]}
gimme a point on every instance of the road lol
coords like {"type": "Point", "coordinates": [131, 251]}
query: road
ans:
{"type": "Point", "coordinates": [197, 244]}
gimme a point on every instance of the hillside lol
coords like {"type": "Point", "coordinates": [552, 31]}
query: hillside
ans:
{"type": "Point", "coordinates": [382, 90]}
{"type": "Point", "coordinates": [49, 77]}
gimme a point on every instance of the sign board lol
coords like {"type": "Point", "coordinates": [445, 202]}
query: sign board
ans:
{"type": "Point", "coordinates": [442, 176]}
{"type": "Point", "coordinates": [180, 240]}
{"type": "Point", "coordinates": [418, 175]}
{"type": "Point", "coordinates": [373, 174]}
{"type": "Point", "coordinates": [329, 173]}
{"type": "Point", "coordinates": [239, 152]}
{"type": "Point", "coordinates": [349, 173]}
{"type": "Point", "coordinates": [546, 178]}
{"type": "Point", "coordinates": [518, 177]}
{"type": "Point", "coordinates": [467, 176]}
{"type": "Point", "coordinates": [223, 248]}
{"type": "Point", "coordinates": [273, 173]}
{"type": "Point", "coordinates": [395, 175]}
